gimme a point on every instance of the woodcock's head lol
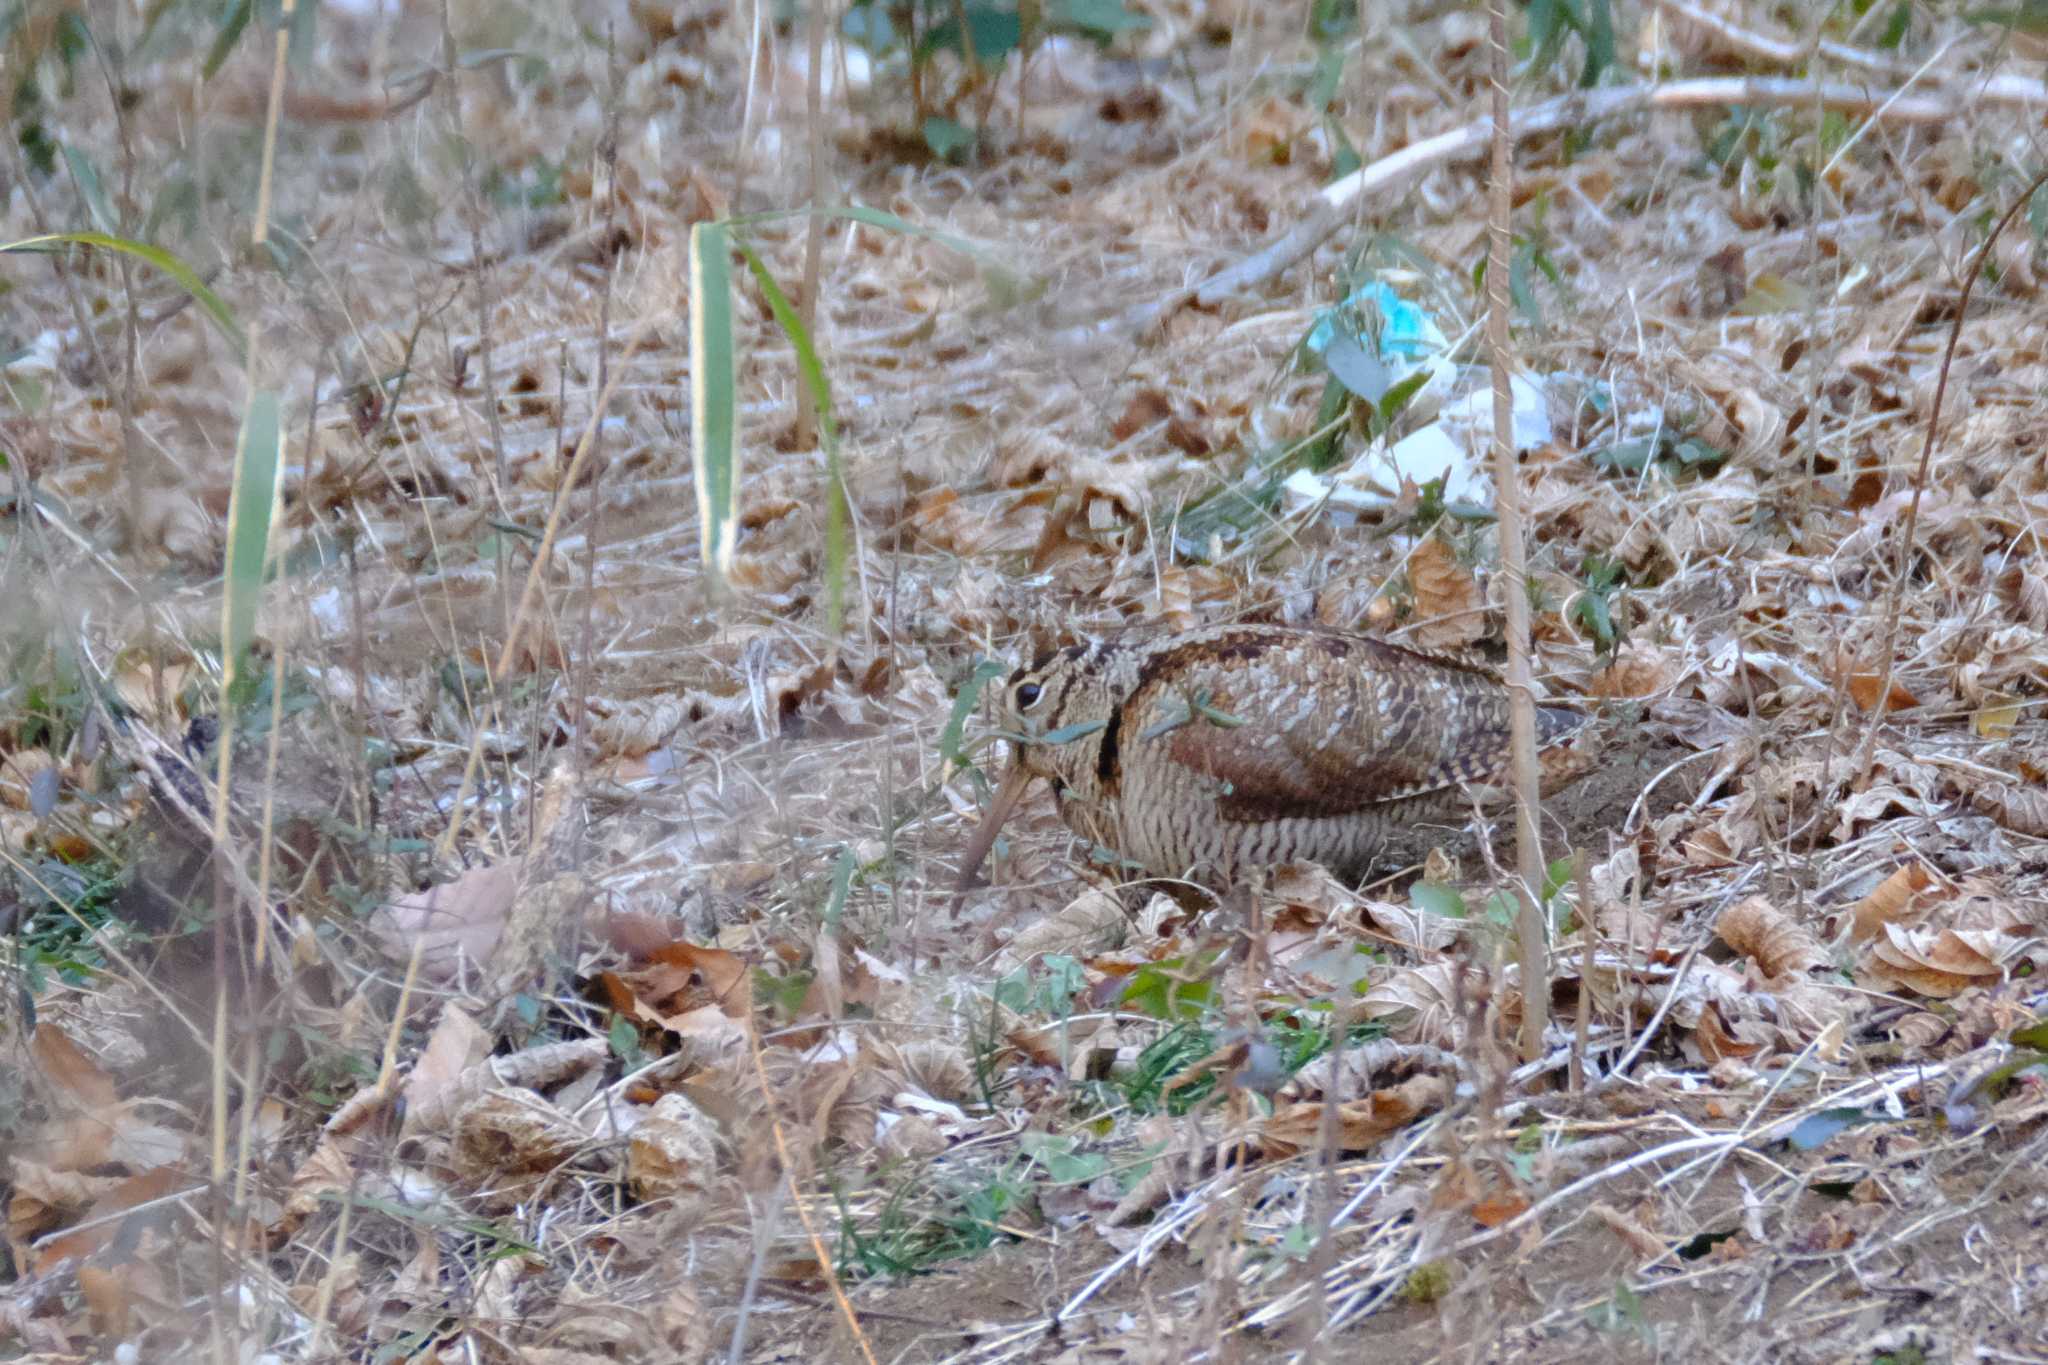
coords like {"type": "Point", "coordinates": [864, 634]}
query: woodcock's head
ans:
{"type": "Point", "coordinates": [1055, 711]}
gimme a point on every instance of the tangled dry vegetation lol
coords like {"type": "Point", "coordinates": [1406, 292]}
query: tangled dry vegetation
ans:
{"type": "Point", "coordinates": [599, 993]}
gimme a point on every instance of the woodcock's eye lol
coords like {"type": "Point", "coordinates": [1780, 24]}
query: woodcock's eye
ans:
{"type": "Point", "coordinates": [1028, 695]}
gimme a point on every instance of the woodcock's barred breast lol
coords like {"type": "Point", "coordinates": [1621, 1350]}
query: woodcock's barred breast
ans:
{"type": "Point", "coordinates": [1204, 754]}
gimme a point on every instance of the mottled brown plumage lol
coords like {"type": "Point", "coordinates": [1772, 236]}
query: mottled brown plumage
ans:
{"type": "Point", "coordinates": [1204, 754]}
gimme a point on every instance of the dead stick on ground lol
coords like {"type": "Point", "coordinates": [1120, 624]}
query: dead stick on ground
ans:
{"type": "Point", "coordinates": [1333, 206]}
{"type": "Point", "coordinates": [1984, 87]}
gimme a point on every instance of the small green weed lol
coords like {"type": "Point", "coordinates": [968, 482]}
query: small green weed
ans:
{"type": "Point", "coordinates": [1529, 259]}
{"type": "Point", "coordinates": [926, 1222]}
{"type": "Point", "coordinates": [1621, 1314]}
{"type": "Point", "coordinates": [1601, 582]}
{"type": "Point", "coordinates": [1671, 455]}
{"type": "Point", "coordinates": [952, 101]}
{"type": "Point", "coordinates": [1498, 910]}
{"type": "Point", "coordinates": [1551, 22]}
{"type": "Point", "coordinates": [52, 941]}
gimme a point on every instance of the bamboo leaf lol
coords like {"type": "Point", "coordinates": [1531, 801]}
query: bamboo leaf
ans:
{"type": "Point", "coordinates": [713, 449]}
{"type": "Point", "coordinates": [812, 372]}
{"type": "Point", "coordinates": [185, 275]}
{"type": "Point", "coordinates": [87, 176]}
{"type": "Point", "coordinates": [250, 507]}
{"type": "Point", "coordinates": [842, 886]}
{"type": "Point", "coordinates": [226, 36]}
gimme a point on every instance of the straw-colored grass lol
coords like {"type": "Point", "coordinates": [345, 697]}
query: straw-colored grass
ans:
{"type": "Point", "coordinates": [613, 997]}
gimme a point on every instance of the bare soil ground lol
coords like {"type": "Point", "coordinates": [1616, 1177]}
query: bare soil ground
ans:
{"type": "Point", "coordinates": [596, 989]}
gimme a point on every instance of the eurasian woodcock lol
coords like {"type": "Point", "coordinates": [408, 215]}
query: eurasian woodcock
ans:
{"type": "Point", "coordinates": [1204, 754]}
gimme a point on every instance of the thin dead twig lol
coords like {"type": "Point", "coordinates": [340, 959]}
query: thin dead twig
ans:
{"type": "Point", "coordinates": [2001, 88]}
{"type": "Point", "coordinates": [1902, 562]}
{"type": "Point", "coordinates": [1333, 206]}
{"type": "Point", "coordinates": [788, 1176]}
{"type": "Point", "coordinates": [542, 557]}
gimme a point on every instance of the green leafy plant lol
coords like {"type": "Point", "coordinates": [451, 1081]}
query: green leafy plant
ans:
{"type": "Point", "coordinates": [1060, 1157]}
{"type": "Point", "coordinates": [1497, 911]}
{"type": "Point", "coordinates": [1665, 450]}
{"type": "Point", "coordinates": [1529, 260]}
{"type": "Point", "coordinates": [1551, 22]}
{"type": "Point", "coordinates": [624, 1040]}
{"type": "Point", "coordinates": [66, 40]}
{"type": "Point", "coordinates": [232, 21]}
{"type": "Point", "coordinates": [1897, 23]}
{"type": "Point", "coordinates": [1176, 989]}
{"type": "Point", "coordinates": [1746, 134]}
{"type": "Point", "coordinates": [536, 185]}
{"type": "Point", "coordinates": [928, 1221]}
{"type": "Point", "coordinates": [714, 367]}
{"type": "Point", "coordinates": [1774, 143]}
{"type": "Point", "coordinates": [63, 907]}
{"type": "Point", "coordinates": [1331, 25]}
{"type": "Point", "coordinates": [1437, 899]}
{"type": "Point", "coordinates": [1601, 581]}
{"type": "Point", "coordinates": [953, 52]}
{"type": "Point", "coordinates": [1048, 986]}
{"type": "Point", "coordinates": [1372, 376]}
{"type": "Point", "coordinates": [1621, 1314]}
{"type": "Point", "coordinates": [1304, 1033]}
{"type": "Point", "coordinates": [1159, 1063]}
{"type": "Point", "coordinates": [184, 275]}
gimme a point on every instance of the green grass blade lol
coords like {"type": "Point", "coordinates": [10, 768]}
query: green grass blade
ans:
{"type": "Point", "coordinates": [842, 887]}
{"type": "Point", "coordinates": [185, 275]}
{"type": "Point", "coordinates": [1005, 286]}
{"type": "Point", "coordinates": [226, 36]}
{"type": "Point", "coordinates": [250, 506]}
{"type": "Point", "coordinates": [985, 672]}
{"type": "Point", "coordinates": [714, 452]}
{"type": "Point", "coordinates": [89, 188]}
{"type": "Point", "coordinates": [813, 374]}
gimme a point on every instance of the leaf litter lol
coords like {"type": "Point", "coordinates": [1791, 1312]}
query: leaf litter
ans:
{"type": "Point", "coordinates": [686, 1038]}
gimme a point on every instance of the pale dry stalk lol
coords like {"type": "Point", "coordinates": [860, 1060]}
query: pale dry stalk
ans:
{"type": "Point", "coordinates": [1529, 931]}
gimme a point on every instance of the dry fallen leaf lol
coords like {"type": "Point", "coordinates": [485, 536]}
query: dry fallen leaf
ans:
{"type": "Point", "coordinates": [1997, 717]}
{"type": "Point", "coordinates": [2024, 810]}
{"type": "Point", "coordinates": [432, 1089]}
{"type": "Point", "coordinates": [1450, 609]}
{"type": "Point", "coordinates": [98, 1227]}
{"type": "Point", "coordinates": [1900, 897]}
{"type": "Point", "coordinates": [672, 1153]}
{"type": "Point", "coordinates": [510, 1144]}
{"type": "Point", "coordinates": [1938, 963]}
{"type": "Point", "coordinates": [454, 927]}
{"type": "Point", "coordinates": [1759, 930]}
{"type": "Point", "coordinates": [1419, 1004]}
{"type": "Point", "coordinates": [19, 774]}
{"type": "Point", "coordinates": [1360, 1123]}
{"type": "Point", "coordinates": [1093, 922]}
{"type": "Point", "coordinates": [1865, 686]}
{"type": "Point", "coordinates": [1632, 675]}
